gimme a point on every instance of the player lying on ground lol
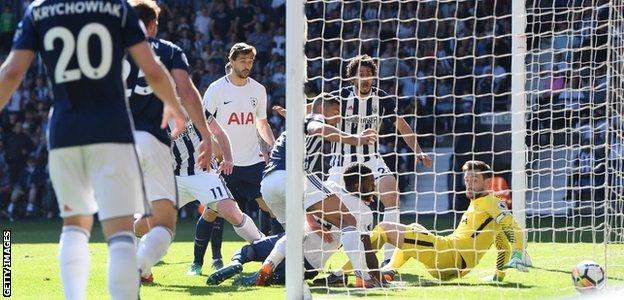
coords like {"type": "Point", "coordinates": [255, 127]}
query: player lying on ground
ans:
{"type": "Point", "coordinates": [319, 200]}
{"type": "Point", "coordinates": [486, 221]}
{"type": "Point", "coordinates": [321, 240]}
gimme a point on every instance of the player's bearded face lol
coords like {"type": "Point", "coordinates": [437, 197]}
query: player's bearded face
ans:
{"type": "Point", "coordinates": [242, 65]}
{"type": "Point", "coordinates": [475, 184]}
{"type": "Point", "coordinates": [364, 80]}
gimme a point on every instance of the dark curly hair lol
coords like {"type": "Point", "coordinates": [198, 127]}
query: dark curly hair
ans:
{"type": "Point", "coordinates": [361, 60]}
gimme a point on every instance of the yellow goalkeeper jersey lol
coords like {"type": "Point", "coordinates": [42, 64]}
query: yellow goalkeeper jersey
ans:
{"type": "Point", "coordinates": [486, 221]}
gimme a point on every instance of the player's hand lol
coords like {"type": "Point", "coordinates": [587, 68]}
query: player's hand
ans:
{"type": "Point", "coordinates": [205, 154]}
{"type": "Point", "coordinates": [280, 110]}
{"type": "Point", "coordinates": [266, 156]}
{"type": "Point", "coordinates": [367, 137]}
{"type": "Point", "coordinates": [516, 262]}
{"type": "Point", "coordinates": [426, 160]}
{"type": "Point", "coordinates": [174, 114]}
{"type": "Point", "coordinates": [226, 167]}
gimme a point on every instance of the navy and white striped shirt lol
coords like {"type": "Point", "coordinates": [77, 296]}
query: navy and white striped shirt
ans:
{"type": "Point", "coordinates": [184, 149]}
{"type": "Point", "coordinates": [358, 115]}
{"type": "Point", "coordinates": [313, 160]}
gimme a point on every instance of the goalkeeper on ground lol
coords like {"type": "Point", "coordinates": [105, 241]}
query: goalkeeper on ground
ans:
{"type": "Point", "coordinates": [487, 221]}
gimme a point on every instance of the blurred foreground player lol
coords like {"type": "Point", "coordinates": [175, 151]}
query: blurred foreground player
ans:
{"type": "Point", "coordinates": [93, 163]}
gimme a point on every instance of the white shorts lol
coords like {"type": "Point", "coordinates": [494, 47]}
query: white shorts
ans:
{"type": "Point", "coordinates": [207, 187]}
{"type": "Point", "coordinates": [316, 191]}
{"type": "Point", "coordinates": [377, 165]}
{"type": "Point", "coordinates": [273, 192]}
{"type": "Point", "coordinates": [157, 166]}
{"type": "Point", "coordinates": [103, 178]}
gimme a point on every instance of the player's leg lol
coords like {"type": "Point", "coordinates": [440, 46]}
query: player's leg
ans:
{"type": "Point", "coordinates": [114, 173]}
{"type": "Point", "coordinates": [154, 245]}
{"type": "Point", "coordinates": [256, 251]}
{"type": "Point", "coordinates": [216, 242]}
{"type": "Point", "coordinates": [253, 179]}
{"type": "Point", "coordinates": [76, 206]}
{"type": "Point", "coordinates": [203, 234]}
{"type": "Point", "coordinates": [160, 185]}
{"type": "Point", "coordinates": [389, 196]}
{"type": "Point", "coordinates": [242, 223]}
{"type": "Point", "coordinates": [275, 258]}
{"type": "Point", "coordinates": [325, 205]}
{"type": "Point", "coordinates": [274, 194]}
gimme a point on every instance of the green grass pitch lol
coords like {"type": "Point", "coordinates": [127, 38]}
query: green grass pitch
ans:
{"type": "Point", "coordinates": [36, 276]}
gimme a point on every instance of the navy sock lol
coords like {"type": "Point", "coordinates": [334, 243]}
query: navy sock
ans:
{"type": "Point", "coordinates": [265, 223]}
{"type": "Point", "coordinates": [276, 227]}
{"type": "Point", "coordinates": [217, 238]}
{"type": "Point", "coordinates": [203, 230]}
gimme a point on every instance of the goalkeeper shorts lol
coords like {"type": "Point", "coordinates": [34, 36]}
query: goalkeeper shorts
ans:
{"type": "Point", "coordinates": [437, 253]}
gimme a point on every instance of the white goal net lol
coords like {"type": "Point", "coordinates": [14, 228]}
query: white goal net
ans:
{"type": "Point", "coordinates": [551, 127]}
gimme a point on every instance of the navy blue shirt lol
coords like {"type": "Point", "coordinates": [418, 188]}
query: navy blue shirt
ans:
{"type": "Point", "coordinates": [82, 44]}
{"type": "Point", "coordinates": [146, 108]}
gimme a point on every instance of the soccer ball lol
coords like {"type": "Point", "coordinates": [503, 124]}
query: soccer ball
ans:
{"type": "Point", "coordinates": [588, 276]}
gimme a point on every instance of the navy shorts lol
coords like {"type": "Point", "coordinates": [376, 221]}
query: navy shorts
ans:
{"type": "Point", "coordinates": [244, 182]}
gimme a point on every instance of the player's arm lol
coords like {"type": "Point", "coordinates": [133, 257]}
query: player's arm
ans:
{"type": "Point", "coordinates": [191, 100]}
{"type": "Point", "coordinates": [223, 140]}
{"type": "Point", "coordinates": [410, 139]}
{"type": "Point", "coordinates": [161, 82]}
{"type": "Point", "coordinates": [334, 134]}
{"type": "Point", "coordinates": [12, 71]}
{"type": "Point", "coordinates": [317, 228]}
{"type": "Point", "coordinates": [513, 233]}
{"type": "Point", "coordinates": [282, 111]}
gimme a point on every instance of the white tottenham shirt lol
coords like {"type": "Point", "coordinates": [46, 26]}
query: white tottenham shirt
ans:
{"type": "Point", "coordinates": [237, 109]}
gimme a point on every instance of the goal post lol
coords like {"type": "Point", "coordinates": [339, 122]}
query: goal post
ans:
{"type": "Point", "coordinates": [518, 111]}
{"type": "Point", "coordinates": [295, 103]}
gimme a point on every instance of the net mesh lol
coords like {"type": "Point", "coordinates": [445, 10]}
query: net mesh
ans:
{"type": "Point", "coordinates": [447, 66]}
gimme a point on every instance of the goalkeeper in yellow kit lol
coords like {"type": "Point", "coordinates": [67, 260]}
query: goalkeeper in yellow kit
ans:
{"type": "Point", "coordinates": [487, 221]}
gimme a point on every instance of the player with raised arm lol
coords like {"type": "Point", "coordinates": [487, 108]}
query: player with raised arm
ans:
{"type": "Point", "coordinates": [487, 221]}
{"type": "Point", "coordinates": [319, 200]}
{"type": "Point", "coordinates": [153, 142]}
{"type": "Point", "coordinates": [239, 104]}
{"type": "Point", "coordinates": [365, 106]}
{"type": "Point", "coordinates": [321, 239]}
{"type": "Point", "coordinates": [92, 160]}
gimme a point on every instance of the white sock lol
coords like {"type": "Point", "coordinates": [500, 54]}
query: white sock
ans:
{"type": "Point", "coordinates": [248, 230]}
{"type": "Point", "coordinates": [75, 261]}
{"type": "Point", "coordinates": [278, 253]}
{"type": "Point", "coordinates": [153, 247]}
{"type": "Point", "coordinates": [353, 246]}
{"type": "Point", "coordinates": [391, 214]}
{"type": "Point", "coordinates": [123, 270]}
